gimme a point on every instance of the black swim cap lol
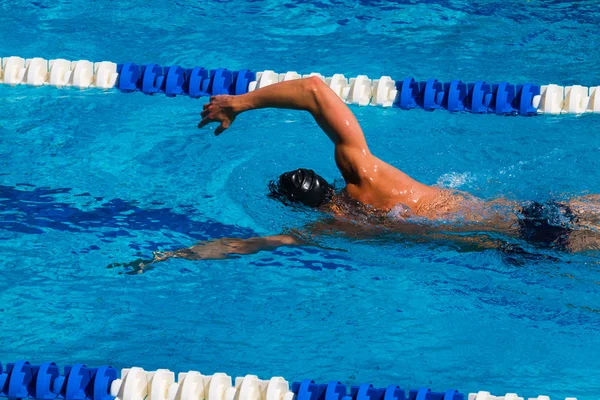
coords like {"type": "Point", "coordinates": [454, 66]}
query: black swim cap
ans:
{"type": "Point", "coordinates": [303, 186]}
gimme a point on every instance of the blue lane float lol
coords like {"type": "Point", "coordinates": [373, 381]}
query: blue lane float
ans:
{"type": "Point", "coordinates": [455, 94]}
{"type": "Point", "coordinates": [478, 98]}
{"type": "Point", "coordinates": [22, 380]}
{"type": "Point", "coordinates": [193, 82]}
{"type": "Point", "coordinates": [406, 93]}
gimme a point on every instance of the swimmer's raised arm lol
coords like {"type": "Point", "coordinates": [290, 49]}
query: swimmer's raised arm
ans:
{"type": "Point", "coordinates": [309, 94]}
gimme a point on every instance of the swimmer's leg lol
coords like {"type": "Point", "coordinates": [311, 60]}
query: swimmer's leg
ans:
{"type": "Point", "coordinates": [587, 211]}
{"type": "Point", "coordinates": [589, 203]}
{"type": "Point", "coordinates": [594, 198]}
{"type": "Point", "coordinates": [583, 240]}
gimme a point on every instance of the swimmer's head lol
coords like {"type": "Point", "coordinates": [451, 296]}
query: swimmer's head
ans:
{"type": "Point", "coordinates": [302, 186]}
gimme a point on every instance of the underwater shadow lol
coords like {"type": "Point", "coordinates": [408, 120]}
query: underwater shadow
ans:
{"type": "Point", "coordinates": [36, 210]}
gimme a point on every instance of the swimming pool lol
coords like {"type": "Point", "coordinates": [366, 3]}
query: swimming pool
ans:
{"type": "Point", "coordinates": [89, 178]}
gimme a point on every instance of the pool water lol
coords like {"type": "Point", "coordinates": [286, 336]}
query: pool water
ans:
{"type": "Point", "coordinates": [91, 178]}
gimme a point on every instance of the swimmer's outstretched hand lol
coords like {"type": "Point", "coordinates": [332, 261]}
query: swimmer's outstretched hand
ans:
{"type": "Point", "coordinates": [220, 109]}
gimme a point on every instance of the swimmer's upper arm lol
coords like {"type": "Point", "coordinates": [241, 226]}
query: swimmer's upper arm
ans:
{"type": "Point", "coordinates": [334, 116]}
{"type": "Point", "coordinates": [340, 124]}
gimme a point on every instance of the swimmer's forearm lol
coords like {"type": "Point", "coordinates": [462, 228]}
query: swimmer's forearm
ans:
{"type": "Point", "coordinates": [256, 244]}
{"type": "Point", "coordinates": [222, 248]}
{"type": "Point", "coordinates": [298, 94]}
{"type": "Point", "coordinates": [312, 95]}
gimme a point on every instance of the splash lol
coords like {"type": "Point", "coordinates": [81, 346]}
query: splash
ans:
{"type": "Point", "coordinates": [454, 180]}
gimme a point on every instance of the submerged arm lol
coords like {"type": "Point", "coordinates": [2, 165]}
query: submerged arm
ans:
{"type": "Point", "coordinates": [215, 250]}
{"type": "Point", "coordinates": [226, 247]}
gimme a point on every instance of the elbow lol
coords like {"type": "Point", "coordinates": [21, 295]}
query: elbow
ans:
{"type": "Point", "coordinates": [313, 83]}
{"type": "Point", "coordinates": [313, 88]}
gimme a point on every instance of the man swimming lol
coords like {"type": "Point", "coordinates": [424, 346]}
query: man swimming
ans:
{"type": "Point", "coordinates": [390, 197]}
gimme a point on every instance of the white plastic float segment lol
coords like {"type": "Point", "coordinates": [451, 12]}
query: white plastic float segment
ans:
{"type": "Point", "coordinates": [535, 102]}
{"type": "Point", "coordinates": [264, 78]}
{"type": "Point", "coordinates": [509, 396]}
{"type": "Point", "coordinates": [289, 76]}
{"type": "Point", "coordinates": [555, 99]}
{"type": "Point", "coordinates": [384, 92]}
{"type": "Point", "coordinates": [576, 100]}
{"type": "Point", "coordinates": [551, 99]}
{"type": "Point", "coordinates": [159, 383]}
{"type": "Point", "coordinates": [1, 71]}
{"type": "Point", "coordinates": [481, 396]}
{"type": "Point", "coordinates": [190, 386]}
{"type": "Point", "coordinates": [594, 103]}
{"type": "Point", "coordinates": [252, 388]}
{"type": "Point", "coordinates": [339, 84]}
{"type": "Point", "coordinates": [60, 72]}
{"type": "Point", "coordinates": [14, 70]}
{"type": "Point", "coordinates": [36, 72]}
{"type": "Point", "coordinates": [360, 91]}
{"type": "Point", "coordinates": [279, 389]}
{"type": "Point", "coordinates": [218, 385]}
{"type": "Point", "coordinates": [83, 74]}
{"type": "Point", "coordinates": [133, 385]}
{"type": "Point", "coordinates": [106, 75]}
{"type": "Point", "coordinates": [540, 398]}
{"type": "Point", "coordinates": [137, 384]}
{"type": "Point", "coordinates": [321, 77]}
{"type": "Point", "coordinates": [247, 388]}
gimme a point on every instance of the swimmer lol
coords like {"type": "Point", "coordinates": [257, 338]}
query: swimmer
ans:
{"type": "Point", "coordinates": [381, 192]}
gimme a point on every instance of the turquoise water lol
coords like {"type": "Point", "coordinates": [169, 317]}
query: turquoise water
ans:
{"type": "Point", "coordinates": [90, 178]}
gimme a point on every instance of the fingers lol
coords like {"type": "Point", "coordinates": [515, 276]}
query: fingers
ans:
{"type": "Point", "coordinates": [211, 113]}
{"type": "Point", "coordinates": [205, 121]}
{"type": "Point", "coordinates": [221, 128]}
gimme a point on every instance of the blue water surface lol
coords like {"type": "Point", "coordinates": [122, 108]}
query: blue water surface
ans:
{"type": "Point", "coordinates": [90, 178]}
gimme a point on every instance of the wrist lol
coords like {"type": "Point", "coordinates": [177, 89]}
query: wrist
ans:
{"type": "Point", "coordinates": [241, 104]}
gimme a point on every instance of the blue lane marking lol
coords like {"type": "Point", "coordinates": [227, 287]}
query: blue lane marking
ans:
{"type": "Point", "coordinates": [175, 80]}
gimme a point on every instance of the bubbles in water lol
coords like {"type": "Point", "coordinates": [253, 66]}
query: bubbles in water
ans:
{"type": "Point", "coordinates": [454, 180]}
{"type": "Point", "coordinates": [398, 212]}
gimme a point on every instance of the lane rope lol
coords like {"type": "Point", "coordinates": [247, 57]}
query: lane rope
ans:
{"type": "Point", "coordinates": [23, 380]}
{"type": "Point", "coordinates": [455, 96]}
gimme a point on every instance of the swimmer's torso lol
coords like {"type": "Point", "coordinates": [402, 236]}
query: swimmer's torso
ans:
{"type": "Point", "coordinates": [385, 194]}
{"type": "Point", "coordinates": [452, 208]}
{"type": "Point", "coordinates": [383, 188]}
